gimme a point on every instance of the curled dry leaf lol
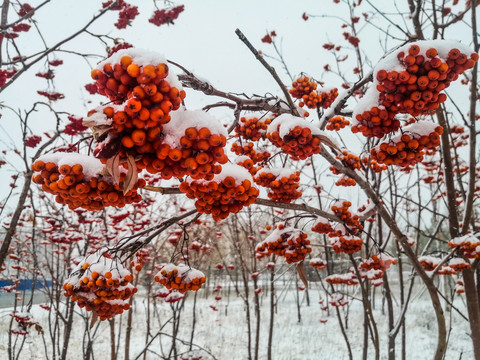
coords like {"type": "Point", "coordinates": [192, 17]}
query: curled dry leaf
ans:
{"type": "Point", "coordinates": [113, 167]}
{"type": "Point", "coordinates": [94, 318]}
{"type": "Point", "coordinates": [97, 130]}
{"type": "Point", "coordinates": [301, 274]}
{"type": "Point", "coordinates": [132, 175]}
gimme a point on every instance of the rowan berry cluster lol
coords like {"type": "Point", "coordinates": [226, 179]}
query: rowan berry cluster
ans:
{"type": "Point", "coordinates": [102, 285]}
{"type": "Point", "coordinates": [415, 89]}
{"type": "Point", "coordinates": [346, 181]}
{"type": "Point", "coordinates": [446, 271]}
{"type": "Point", "coordinates": [252, 128]}
{"type": "Point", "coordinates": [119, 76]}
{"type": "Point", "coordinates": [282, 184]}
{"type": "Point", "coordinates": [459, 287]}
{"type": "Point", "coordinates": [429, 263]}
{"type": "Point", "coordinates": [348, 279]}
{"type": "Point", "coordinates": [377, 262]}
{"type": "Point", "coordinates": [304, 88]}
{"type": "Point", "coordinates": [469, 245]}
{"type": "Point", "coordinates": [374, 165]}
{"type": "Point", "coordinates": [180, 277]}
{"type": "Point", "coordinates": [141, 258]}
{"type": "Point", "coordinates": [322, 226]}
{"type": "Point", "coordinates": [248, 150]}
{"type": "Point", "coordinates": [338, 300]}
{"type": "Point", "coordinates": [328, 96]}
{"type": "Point", "coordinates": [351, 221]}
{"type": "Point", "coordinates": [336, 123]}
{"type": "Point", "coordinates": [347, 244]}
{"type": "Point", "coordinates": [192, 146]}
{"type": "Point", "coordinates": [318, 263]}
{"type": "Point", "coordinates": [295, 136]}
{"type": "Point", "coordinates": [76, 185]}
{"type": "Point", "coordinates": [228, 192]}
{"type": "Point", "coordinates": [459, 264]}
{"type": "Point", "coordinates": [288, 242]}
{"type": "Point", "coordinates": [408, 148]}
{"type": "Point", "coordinates": [374, 268]}
{"type": "Point", "coordinates": [247, 163]}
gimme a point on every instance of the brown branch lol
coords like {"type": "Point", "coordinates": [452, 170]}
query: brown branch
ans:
{"type": "Point", "coordinates": [263, 202]}
{"type": "Point", "coordinates": [270, 69]}
{"type": "Point", "coordinates": [56, 46]}
{"type": "Point", "coordinates": [415, 9]}
{"type": "Point", "coordinates": [467, 216]}
{"type": "Point", "coordinates": [402, 239]}
{"type": "Point", "coordinates": [448, 174]}
{"type": "Point", "coordinates": [26, 16]}
{"type": "Point", "coordinates": [21, 203]}
{"type": "Point", "coordinates": [342, 100]}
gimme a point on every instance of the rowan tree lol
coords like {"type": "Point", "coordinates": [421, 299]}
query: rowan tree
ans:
{"type": "Point", "coordinates": [143, 138]}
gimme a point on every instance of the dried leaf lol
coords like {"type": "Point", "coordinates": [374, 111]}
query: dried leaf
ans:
{"type": "Point", "coordinates": [113, 168]}
{"type": "Point", "coordinates": [39, 329]}
{"type": "Point", "coordinates": [132, 175]}
{"type": "Point", "coordinates": [100, 130]}
{"type": "Point", "coordinates": [89, 123]}
{"type": "Point", "coordinates": [94, 318]}
{"type": "Point", "coordinates": [301, 274]}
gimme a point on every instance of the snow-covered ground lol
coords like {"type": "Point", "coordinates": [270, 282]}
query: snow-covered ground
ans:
{"type": "Point", "coordinates": [224, 332]}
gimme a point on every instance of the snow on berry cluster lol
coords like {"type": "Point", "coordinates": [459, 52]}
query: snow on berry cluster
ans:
{"type": "Point", "coordinates": [410, 80]}
{"type": "Point", "coordinates": [342, 236]}
{"type": "Point", "coordinates": [469, 244]}
{"type": "Point", "coordinates": [318, 263]}
{"type": "Point", "coordinates": [80, 181]}
{"type": "Point", "coordinates": [282, 183]}
{"type": "Point", "coordinates": [288, 242]}
{"type": "Point", "coordinates": [374, 267]}
{"type": "Point", "coordinates": [295, 136]}
{"type": "Point", "coordinates": [408, 148]}
{"type": "Point", "coordinates": [252, 127]}
{"type": "Point", "coordinates": [182, 278]}
{"type": "Point", "coordinates": [228, 192]}
{"type": "Point", "coordinates": [305, 89]}
{"type": "Point", "coordinates": [100, 284]}
{"type": "Point", "coordinates": [336, 123]}
{"type": "Point", "coordinates": [349, 279]}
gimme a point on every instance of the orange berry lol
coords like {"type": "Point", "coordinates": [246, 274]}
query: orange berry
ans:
{"type": "Point", "coordinates": [128, 142]}
{"type": "Point", "coordinates": [133, 70]}
{"type": "Point", "coordinates": [139, 137]}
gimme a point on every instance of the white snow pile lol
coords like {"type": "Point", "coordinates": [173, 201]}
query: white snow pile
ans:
{"type": "Point", "coordinates": [321, 220]}
{"type": "Point", "coordinates": [345, 279]}
{"type": "Point", "coordinates": [315, 262]}
{"type": "Point", "coordinates": [183, 119]}
{"type": "Point", "coordinates": [142, 57]}
{"type": "Point", "coordinates": [186, 272]}
{"type": "Point", "coordinates": [100, 264]}
{"type": "Point", "coordinates": [430, 260]}
{"type": "Point", "coordinates": [286, 122]}
{"type": "Point", "coordinates": [99, 118]}
{"type": "Point", "coordinates": [468, 239]}
{"type": "Point", "coordinates": [91, 166]}
{"type": "Point", "coordinates": [278, 172]}
{"type": "Point", "coordinates": [458, 261]}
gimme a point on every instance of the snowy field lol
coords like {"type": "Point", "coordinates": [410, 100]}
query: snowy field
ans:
{"type": "Point", "coordinates": [224, 332]}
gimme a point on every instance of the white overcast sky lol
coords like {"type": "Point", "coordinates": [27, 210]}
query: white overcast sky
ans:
{"type": "Point", "coordinates": [203, 40]}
